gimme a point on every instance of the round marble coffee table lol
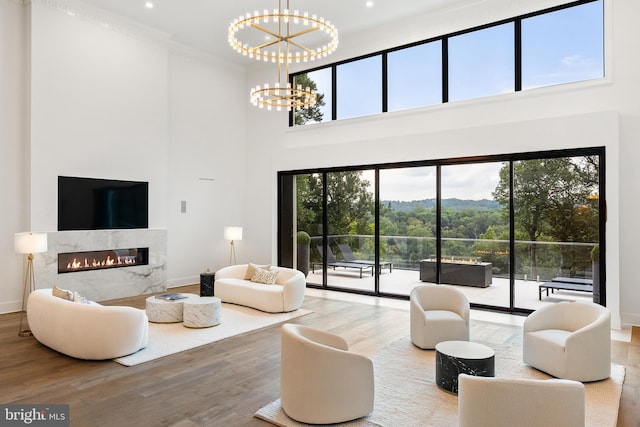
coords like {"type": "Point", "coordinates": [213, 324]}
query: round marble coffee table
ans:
{"type": "Point", "coordinates": [202, 312]}
{"type": "Point", "coordinates": [462, 357]}
{"type": "Point", "coordinates": [167, 311]}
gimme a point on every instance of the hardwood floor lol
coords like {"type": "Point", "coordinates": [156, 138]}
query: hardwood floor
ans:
{"type": "Point", "coordinates": [221, 384]}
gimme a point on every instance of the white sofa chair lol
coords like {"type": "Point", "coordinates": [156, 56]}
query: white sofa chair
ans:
{"type": "Point", "coordinates": [570, 340]}
{"type": "Point", "coordinates": [321, 381]}
{"type": "Point", "coordinates": [232, 285]}
{"type": "Point", "coordinates": [438, 313]}
{"type": "Point", "coordinates": [86, 330]}
{"type": "Point", "coordinates": [505, 402]}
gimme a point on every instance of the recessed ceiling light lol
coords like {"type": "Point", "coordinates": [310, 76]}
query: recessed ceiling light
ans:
{"type": "Point", "coordinates": [369, 4]}
{"type": "Point", "coordinates": [148, 5]}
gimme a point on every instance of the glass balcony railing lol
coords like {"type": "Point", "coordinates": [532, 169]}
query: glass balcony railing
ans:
{"type": "Point", "coordinates": [534, 260]}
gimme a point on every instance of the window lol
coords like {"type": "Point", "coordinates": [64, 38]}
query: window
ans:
{"type": "Point", "coordinates": [481, 63]}
{"type": "Point", "coordinates": [415, 76]}
{"type": "Point", "coordinates": [359, 87]}
{"type": "Point", "coordinates": [563, 46]}
{"type": "Point", "coordinates": [497, 227]}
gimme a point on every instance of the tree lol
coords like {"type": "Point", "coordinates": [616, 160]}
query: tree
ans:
{"type": "Point", "coordinates": [313, 113]}
{"type": "Point", "coordinates": [549, 199]}
{"type": "Point", "coordinates": [349, 203]}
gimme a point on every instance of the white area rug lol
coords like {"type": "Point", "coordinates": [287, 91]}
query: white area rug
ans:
{"type": "Point", "coordinates": [171, 338]}
{"type": "Point", "coordinates": [406, 394]}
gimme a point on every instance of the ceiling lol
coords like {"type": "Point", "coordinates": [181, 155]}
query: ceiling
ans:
{"type": "Point", "coordinates": [203, 24]}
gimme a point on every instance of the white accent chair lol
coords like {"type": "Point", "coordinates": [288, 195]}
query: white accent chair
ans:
{"type": "Point", "coordinates": [506, 402]}
{"type": "Point", "coordinates": [570, 340]}
{"type": "Point", "coordinates": [321, 381]}
{"type": "Point", "coordinates": [86, 331]}
{"type": "Point", "coordinates": [438, 313]}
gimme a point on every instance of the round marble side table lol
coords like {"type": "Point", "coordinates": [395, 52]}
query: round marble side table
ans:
{"type": "Point", "coordinates": [462, 357]}
{"type": "Point", "coordinates": [166, 311]}
{"type": "Point", "coordinates": [202, 312]}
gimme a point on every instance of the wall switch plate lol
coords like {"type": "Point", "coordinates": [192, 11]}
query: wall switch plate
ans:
{"type": "Point", "coordinates": [183, 206]}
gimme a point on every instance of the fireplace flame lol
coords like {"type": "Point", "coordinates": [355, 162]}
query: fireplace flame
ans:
{"type": "Point", "coordinates": [94, 263]}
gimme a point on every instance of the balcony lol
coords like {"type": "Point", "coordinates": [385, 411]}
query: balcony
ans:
{"type": "Point", "coordinates": [555, 259]}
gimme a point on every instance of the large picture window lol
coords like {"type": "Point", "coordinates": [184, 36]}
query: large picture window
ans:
{"type": "Point", "coordinates": [560, 45]}
{"type": "Point", "coordinates": [501, 228]}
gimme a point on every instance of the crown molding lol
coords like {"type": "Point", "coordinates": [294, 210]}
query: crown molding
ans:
{"type": "Point", "coordinates": [103, 19]}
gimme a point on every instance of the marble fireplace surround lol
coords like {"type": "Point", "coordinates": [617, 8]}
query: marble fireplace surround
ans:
{"type": "Point", "coordinates": [105, 284]}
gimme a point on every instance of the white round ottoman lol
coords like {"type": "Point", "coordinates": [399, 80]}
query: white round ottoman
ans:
{"type": "Point", "coordinates": [166, 311]}
{"type": "Point", "coordinates": [202, 312]}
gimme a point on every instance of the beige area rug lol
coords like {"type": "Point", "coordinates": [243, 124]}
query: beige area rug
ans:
{"type": "Point", "coordinates": [407, 395]}
{"type": "Point", "coordinates": [171, 338]}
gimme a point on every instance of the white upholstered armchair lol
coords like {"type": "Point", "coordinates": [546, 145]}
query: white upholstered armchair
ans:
{"type": "Point", "coordinates": [321, 381]}
{"type": "Point", "coordinates": [438, 313]}
{"type": "Point", "coordinates": [506, 402]}
{"type": "Point", "coordinates": [570, 340]}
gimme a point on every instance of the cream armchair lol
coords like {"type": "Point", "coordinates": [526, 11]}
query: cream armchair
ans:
{"type": "Point", "coordinates": [504, 402]}
{"type": "Point", "coordinates": [438, 313]}
{"type": "Point", "coordinates": [321, 381]}
{"type": "Point", "coordinates": [570, 340]}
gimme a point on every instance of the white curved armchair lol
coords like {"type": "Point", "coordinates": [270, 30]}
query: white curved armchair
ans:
{"type": "Point", "coordinates": [438, 313]}
{"type": "Point", "coordinates": [321, 381]}
{"type": "Point", "coordinates": [570, 340]}
{"type": "Point", "coordinates": [506, 402]}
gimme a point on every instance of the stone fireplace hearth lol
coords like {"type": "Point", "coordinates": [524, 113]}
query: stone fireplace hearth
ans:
{"type": "Point", "coordinates": [100, 284]}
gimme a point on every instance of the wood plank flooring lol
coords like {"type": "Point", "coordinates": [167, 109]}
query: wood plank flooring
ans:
{"type": "Point", "coordinates": [221, 384]}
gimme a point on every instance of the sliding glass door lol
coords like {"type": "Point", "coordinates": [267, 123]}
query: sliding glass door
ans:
{"type": "Point", "coordinates": [513, 232]}
{"type": "Point", "coordinates": [407, 226]}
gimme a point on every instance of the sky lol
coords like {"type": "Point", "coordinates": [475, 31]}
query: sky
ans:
{"type": "Point", "coordinates": [468, 182]}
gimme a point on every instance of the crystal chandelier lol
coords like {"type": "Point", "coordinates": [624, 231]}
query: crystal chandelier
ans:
{"type": "Point", "coordinates": [283, 37]}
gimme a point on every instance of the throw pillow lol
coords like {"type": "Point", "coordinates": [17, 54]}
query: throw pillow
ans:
{"type": "Point", "coordinates": [79, 298]}
{"type": "Point", "coordinates": [251, 268]}
{"type": "Point", "coordinates": [264, 276]}
{"type": "Point", "coordinates": [62, 293]}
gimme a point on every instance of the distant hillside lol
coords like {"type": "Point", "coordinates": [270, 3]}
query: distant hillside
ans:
{"type": "Point", "coordinates": [455, 204]}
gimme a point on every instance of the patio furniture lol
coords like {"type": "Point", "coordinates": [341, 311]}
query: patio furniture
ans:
{"type": "Point", "coordinates": [502, 402]}
{"type": "Point", "coordinates": [570, 340]}
{"type": "Point", "coordinates": [322, 382]}
{"type": "Point", "coordinates": [348, 256]}
{"type": "Point", "coordinates": [333, 263]}
{"type": "Point", "coordinates": [438, 313]}
{"type": "Point", "coordinates": [565, 283]}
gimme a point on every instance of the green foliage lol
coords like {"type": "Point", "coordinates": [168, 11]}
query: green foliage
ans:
{"type": "Point", "coordinates": [310, 114]}
{"type": "Point", "coordinates": [551, 205]}
{"type": "Point", "coordinates": [595, 254]}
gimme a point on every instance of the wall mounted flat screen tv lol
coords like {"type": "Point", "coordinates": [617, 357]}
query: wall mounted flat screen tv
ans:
{"type": "Point", "coordinates": [102, 204]}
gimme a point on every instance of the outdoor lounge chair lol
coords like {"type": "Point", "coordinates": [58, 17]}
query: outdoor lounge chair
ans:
{"type": "Point", "coordinates": [333, 263]}
{"type": "Point", "coordinates": [348, 256]}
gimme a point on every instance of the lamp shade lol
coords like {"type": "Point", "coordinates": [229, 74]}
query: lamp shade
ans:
{"type": "Point", "coordinates": [233, 233]}
{"type": "Point", "coordinates": [30, 243]}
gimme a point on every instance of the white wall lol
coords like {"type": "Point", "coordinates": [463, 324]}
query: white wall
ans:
{"type": "Point", "coordinates": [207, 166]}
{"type": "Point", "coordinates": [105, 99]}
{"type": "Point", "coordinates": [99, 108]}
{"type": "Point", "coordinates": [13, 162]}
{"type": "Point", "coordinates": [603, 113]}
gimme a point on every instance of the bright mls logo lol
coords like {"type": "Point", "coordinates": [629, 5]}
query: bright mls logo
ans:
{"type": "Point", "coordinates": [34, 415]}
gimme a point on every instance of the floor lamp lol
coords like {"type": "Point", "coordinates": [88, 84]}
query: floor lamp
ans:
{"type": "Point", "coordinates": [232, 234]}
{"type": "Point", "coordinates": [28, 243]}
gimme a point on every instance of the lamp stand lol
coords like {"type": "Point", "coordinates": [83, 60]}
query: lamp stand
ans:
{"type": "Point", "coordinates": [232, 255]}
{"type": "Point", "coordinates": [29, 286]}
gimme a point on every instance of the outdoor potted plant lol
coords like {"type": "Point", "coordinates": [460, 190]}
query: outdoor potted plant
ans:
{"type": "Point", "coordinates": [304, 240]}
{"type": "Point", "coordinates": [595, 271]}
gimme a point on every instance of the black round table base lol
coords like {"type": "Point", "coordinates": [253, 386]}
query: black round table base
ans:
{"type": "Point", "coordinates": [449, 364]}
